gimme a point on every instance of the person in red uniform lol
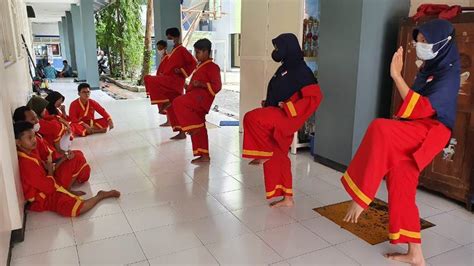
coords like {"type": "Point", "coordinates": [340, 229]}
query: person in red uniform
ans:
{"type": "Point", "coordinates": [161, 47]}
{"type": "Point", "coordinates": [399, 149]}
{"type": "Point", "coordinates": [187, 113]}
{"type": "Point", "coordinates": [151, 82]}
{"type": "Point", "coordinates": [40, 186]}
{"type": "Point", "coordinates": [52, 130]}
{"type": "Point", "coordinates": [293, 95]}
{"type": "Point", "coordinates": [71, 167]}
{"type": "Point", "coordinates": [82, 113]}
{"type": "Point", "coordinates": [169, 83]}
{"type": "Point", "coordinates": [57, 110]}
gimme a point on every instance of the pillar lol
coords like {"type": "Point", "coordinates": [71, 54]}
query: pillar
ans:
{"type": "Point", "coordinates": [66, 52]}
{"type": "Point", "coordinates": [70, 38]}
{"type": "Point", "coordinates": [79, 42]}
{"type": "Point", "coordinates": [166, 14]}
{"type": "Point", "coordinates": [90, 43]}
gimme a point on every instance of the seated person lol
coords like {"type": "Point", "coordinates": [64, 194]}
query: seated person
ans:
{"type": "Point", "coordinates": [82, 113]}
{"type": "Point", "coordinates": [188, 112]}
{"type": "Point", "coordinates": [57, 110]}
{"type": "Point", "coordinates": [67, 70]}
{"type": "Point", "coordinates": [52, 130]}
{"type": "Point", "coordinates": [70, 167]}
{"type": "Point", "coordinates": [49, 72]}
{"type": "Point", "coordinates": [38, 180]}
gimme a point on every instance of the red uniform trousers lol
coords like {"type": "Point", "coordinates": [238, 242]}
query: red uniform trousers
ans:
{"type": "Point", "coordinates": [268, 133]}
{"type": "Point", "coordinates": [187, 114]}
{"type": "Point", "coordinates": [163, 89]}
{"type": "Point", "coordinates": [63, 204]}
{"type": "Point", "coordinates": [73, 170]}
{"type": "Point", "coordinates": [395, 149]}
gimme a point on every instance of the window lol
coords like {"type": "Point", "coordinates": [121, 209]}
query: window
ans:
{"type": "Point", "coordinates": [7, 38]}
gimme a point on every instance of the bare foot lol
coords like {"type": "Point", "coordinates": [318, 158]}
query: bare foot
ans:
{"type": "Point", "coordinates": [201, 159]}
{"type": "Point", "coordinates": [99, 130]}
{"type": "Point", "coordinates": [180, 135]}
{"type": "Point", "coordinates": [78, 193]}
{"type": "Point", "coordinates": [108, 194]}
{"type": "Point", "coordinates": [353, 213]}
{"type": "Point", "coordinates": [256, 162]}
{"type": "Point", "coordinates": [414, 256]}
{"type": "Point", "coordinates": [165, 124]}
{"type": "Point", "coordinates": [285, 202]}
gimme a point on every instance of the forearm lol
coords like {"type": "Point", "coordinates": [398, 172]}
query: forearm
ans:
{"type": "Point", "coordinates": [402, 86]}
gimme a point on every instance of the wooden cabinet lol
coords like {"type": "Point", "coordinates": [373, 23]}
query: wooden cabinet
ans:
{"type": "Point", "coordinates": [452, 171]}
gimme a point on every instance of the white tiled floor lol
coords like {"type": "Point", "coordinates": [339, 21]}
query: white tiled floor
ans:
{"type": "Point", "coordinates": [173, 212]}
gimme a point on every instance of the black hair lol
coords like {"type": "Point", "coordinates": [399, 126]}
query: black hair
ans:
{"type": "Point", "coordinates": [21, 127]}
{"type": "Point", "coordinates": [65, 61]}
{"type": "Point", "coordinates": [203, 45]}
{"type": "Point", "coordinates": [82, 86]}
{"type": "Point", "coordinates": [19, 114]}
{"type": "Point", "coordinates": [52, 98]}
{"type": "Point", "coordinates": [162, 43]}
{"type": "Point", "coordinates": [173, 32]}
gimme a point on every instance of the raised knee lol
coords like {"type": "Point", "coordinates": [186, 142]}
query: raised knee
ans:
{"type": "Point", "coordinates": [379, 125]}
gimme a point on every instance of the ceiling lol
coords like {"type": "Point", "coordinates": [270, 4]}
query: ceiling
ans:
{"type": "Point", "coordinates": [51, 11]}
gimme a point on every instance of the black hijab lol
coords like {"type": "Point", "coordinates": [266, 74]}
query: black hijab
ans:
{"type": "Point", "coordinates": [439, 78]}
{"type": "Point", "coordinates": [292, 75]}
{"type": "Point", "coordinates": [52, 98]}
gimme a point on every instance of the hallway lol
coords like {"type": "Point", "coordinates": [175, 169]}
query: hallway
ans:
{"type": "Point", "coordinates": [173, 212]}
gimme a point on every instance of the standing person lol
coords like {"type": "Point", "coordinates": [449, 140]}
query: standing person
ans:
{"type": "Point", "coordinates": [187, 113]}
{"type": "Point", "coordinates": [293, 95]}
{"type": "Point", "coordinates": [400, 149]}
{"type": "Point", "coordinates": [82, 113]}
{"type": "Point", "coordinates": [38, 180]}
{"type": "Point", "coordinates": [179, 65]}
{"type": "Point", "coordinates": [149, 80]}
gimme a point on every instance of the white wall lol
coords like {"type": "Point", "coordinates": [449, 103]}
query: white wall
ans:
{"type": "Point", "coordinates": [45, 28]}
{"type": "Point", "coordinates": [261, 22]}
{"type": "Point", "coordinates": [416, 3]}
{"type": "Point", "coordinates": [15, 89]}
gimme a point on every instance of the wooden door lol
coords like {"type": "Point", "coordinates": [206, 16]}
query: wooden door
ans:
{"type": "Point", "coordinates": [450, 171]}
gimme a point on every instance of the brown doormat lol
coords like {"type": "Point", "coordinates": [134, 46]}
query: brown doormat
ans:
{"type": "Point", "coordinates": [373, 222]}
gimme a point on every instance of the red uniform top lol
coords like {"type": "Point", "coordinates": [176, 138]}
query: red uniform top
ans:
{"type": "Point", "coordinates": [51, 129]}
{"type": "Point", "coordinates": [44, 149]}
{"type": "Point", "coordinates": [181, 59]}
{"type": "Point", "coordinates": [78, 113]}
{"type": "Point", "coordinates": [209, 73]}
{"type": "Point", "coordinates": [418, 107]}
{"type": "Point", "coordinates": [35, 181]}
{"type": "Point", "coordinates": [161, 67]}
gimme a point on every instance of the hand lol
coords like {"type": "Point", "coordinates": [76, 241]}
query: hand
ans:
{"type": "Point", "coordinates": [70, 155]}
{"type": "Point", "coordinates": [88, 128]}
{"type": "Point", "coordinates": [262, 103]}
{"type": "Point", "coordinates": [397, 64]}
{"type": "Point", "coordinates": [49, 165]}
{"type": "Point", "coordinates": [281, 104]}
{"type": "Point", "coordinates": [111, 124]}
{"type": "Point", "coordinates": [63, 108]}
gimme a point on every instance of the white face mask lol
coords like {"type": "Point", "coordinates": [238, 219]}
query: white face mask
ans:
{"type": "Point", "coordinates": [170, 43]}
{"type": "Point", "coordinates": [36, 127]}
{"type": "Point", "coordinates": [424, 51]}
{"type": "Point", "coordinates": [161, 52]}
